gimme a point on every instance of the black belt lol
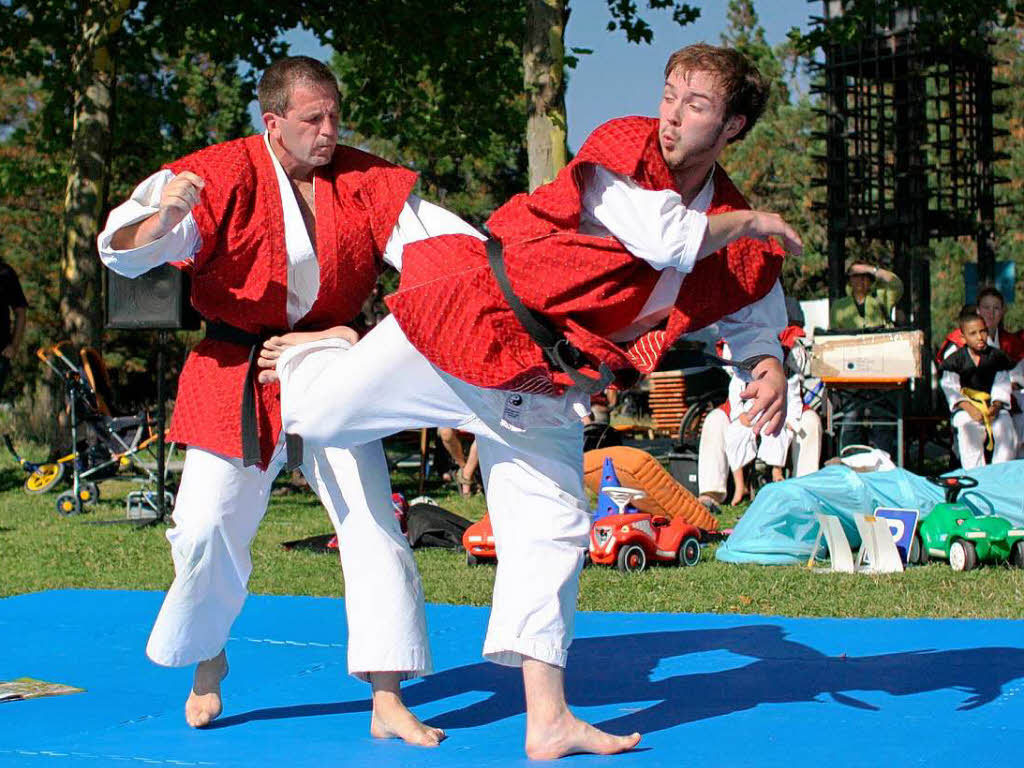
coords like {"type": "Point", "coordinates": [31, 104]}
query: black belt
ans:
{"type": "Point", "coordinates": [558, 350]}
{"type": "Point", "coordinates": [251, 453]}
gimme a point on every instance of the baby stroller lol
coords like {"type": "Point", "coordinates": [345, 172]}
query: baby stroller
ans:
{"type": "Point", "coordinates": [103, 443]}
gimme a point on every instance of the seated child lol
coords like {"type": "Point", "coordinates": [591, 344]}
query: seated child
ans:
{"type": "Point", "coordinates": [741, 444]}
{"type": "Point", "coordinates": [976, 382]}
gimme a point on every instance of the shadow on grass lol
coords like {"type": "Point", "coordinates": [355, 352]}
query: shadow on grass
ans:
{"type": "Point", "coordinates": [639, 667]}
{"type": "Point", "coordinates": [11, 478]}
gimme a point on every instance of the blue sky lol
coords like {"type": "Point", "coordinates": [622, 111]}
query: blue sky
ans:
{"type": "Point", "coordinates": [620, 78]}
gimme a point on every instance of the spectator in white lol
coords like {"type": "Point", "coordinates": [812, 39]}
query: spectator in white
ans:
{"type": "Point", "coordinates": [742, 445]}
{"type": "Point", "coordinates": [726, 444]}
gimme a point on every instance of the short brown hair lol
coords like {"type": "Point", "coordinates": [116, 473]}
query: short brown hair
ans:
{"type": "Point", "coordinates": [746, 92]}
{"type": "Point", "coordinates": [275, 88]}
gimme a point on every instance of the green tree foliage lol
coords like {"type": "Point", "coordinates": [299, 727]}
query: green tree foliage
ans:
{"type": "Point", "coordinates": [177, 88]}
{"type": "Point", "coordinates": [774, 165]}
{"type": "Point", "coordinates": [438, 87]}
{"type": "Point", "coordinates": [949, 257]}
{"type": "Point", "coordinates": [996, 23]}
{"type": "Point", "coordinates": [441, 87]}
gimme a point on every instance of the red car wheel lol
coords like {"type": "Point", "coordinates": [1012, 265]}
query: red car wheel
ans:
{"type": "Point", "coordinates": [689, 551]}
{"type": "Point", "coordinates": [632, 559]}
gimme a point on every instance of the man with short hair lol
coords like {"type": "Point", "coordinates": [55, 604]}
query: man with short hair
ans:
{"type": "Point", "coordinates": [589, 279]}
{"type": "Point", "coordinates": [281, 231]}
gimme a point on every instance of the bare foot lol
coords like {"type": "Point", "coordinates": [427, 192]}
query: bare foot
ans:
{"type": "Point", "coordinates": [204, 703]}
{"type": "Point", "coordinates": [568, 735]}
{"type": "Point", "coordinates": [738, 495]}
{"type": "Point", "coordinates": [391, 719]}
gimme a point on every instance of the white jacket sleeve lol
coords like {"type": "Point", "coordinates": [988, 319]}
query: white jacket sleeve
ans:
{"type": "Point", "coordinates": [1002, 389]}
{"type": "Point", "coordinates": [652, 225]}
{"type": "Point", "coordinates": [950, 385]}
{"type": "Point", "coordinates": [180, 244]}
{"type": "Point", "coordinates": [419, 220]}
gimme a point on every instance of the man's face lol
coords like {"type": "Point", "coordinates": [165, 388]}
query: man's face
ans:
{"type": "Point", "coordinates": [308, 130]}
{"type": "Point", "coordinates": [992, 310]}
{"type": "Point", "coordinates": [976, 334]}
{"type": "Point", "coordinates": [860, 284]}
{"type": "Point", "coordinates": [693, 127]}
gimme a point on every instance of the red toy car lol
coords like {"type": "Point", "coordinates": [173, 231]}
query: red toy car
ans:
{"type": "Point", "coordinates": [632, 540]}
{"type": "Point", "coordinates": [478, 541]}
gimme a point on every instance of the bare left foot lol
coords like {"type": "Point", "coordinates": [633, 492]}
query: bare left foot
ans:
{"type": "Point", "coordinates": [391, 719]}
{"type": "Point", "coordinates": [566, 734]}
{"type": "Point", "coordinates": [204, 703]}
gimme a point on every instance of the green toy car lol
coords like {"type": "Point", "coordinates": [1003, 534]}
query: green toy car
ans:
{"type": "Point", "coordinates": [954, 533]}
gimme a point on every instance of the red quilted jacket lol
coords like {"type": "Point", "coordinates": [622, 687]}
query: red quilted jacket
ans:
{"type": "Point", "coordinates": [452, 310]}
{"type": "Point", "coordinates": [239, 275]}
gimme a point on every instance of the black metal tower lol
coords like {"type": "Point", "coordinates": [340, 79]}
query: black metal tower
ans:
{"type": "Point", "coordinates": [909, 148]}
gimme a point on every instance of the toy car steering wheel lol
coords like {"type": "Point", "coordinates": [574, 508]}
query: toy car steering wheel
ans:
{"type": "Point", "coordinates": [953, 485]}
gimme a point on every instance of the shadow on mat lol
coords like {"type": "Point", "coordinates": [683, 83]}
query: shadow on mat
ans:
{"type": "Point", "coordinates": [618, 670]}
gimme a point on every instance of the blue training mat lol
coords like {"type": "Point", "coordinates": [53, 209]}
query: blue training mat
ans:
{"type": "Point", "coordinates": [704, 689]}
{"type": "Point", "coordinates": [779, 527]}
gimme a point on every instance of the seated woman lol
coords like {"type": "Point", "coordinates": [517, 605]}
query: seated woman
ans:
{"type": "Point", "coordinates": [976, 382]}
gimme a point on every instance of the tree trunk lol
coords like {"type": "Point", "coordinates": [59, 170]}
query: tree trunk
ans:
{"type": "Point", "coordinates": [93, 65]}
{"type": "Point", "coordinates": [543, 68]}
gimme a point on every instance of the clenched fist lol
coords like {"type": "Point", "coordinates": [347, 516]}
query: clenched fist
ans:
{"type": "Point", "coordinates": [179, 197]}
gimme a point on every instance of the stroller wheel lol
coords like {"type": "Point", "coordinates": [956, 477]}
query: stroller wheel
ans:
{"type": "Point", "coordinates": [88, 492]}
{"type": "Point", "coordinates": [44, 477]}
{"type": "Point", "coordinates": [67, 504]}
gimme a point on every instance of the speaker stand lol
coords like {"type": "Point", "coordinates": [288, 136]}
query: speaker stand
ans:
{"type": "Point", "coordinates": [161, 444]}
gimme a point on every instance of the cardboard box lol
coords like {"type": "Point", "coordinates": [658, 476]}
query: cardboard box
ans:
{"type": "Point", "coordinates": [868, 355]}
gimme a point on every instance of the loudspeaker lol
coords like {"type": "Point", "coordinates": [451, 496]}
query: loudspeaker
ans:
{"type": "Point", "coordinates": [683, 467]}
{"type": "Point", "coordinates": [157, 300]}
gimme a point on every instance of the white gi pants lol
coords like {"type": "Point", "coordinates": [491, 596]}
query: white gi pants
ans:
{"type": "Point", "coordinates": [333, 395]}
{"type": "Point", "coordinates": [713, 463]}
{"type": "Point", "coordinates": [220, 505]}
{"type": "Point", "coordinates": [741, 446]}
{"type": "Point", "coordinates": [971, 437]}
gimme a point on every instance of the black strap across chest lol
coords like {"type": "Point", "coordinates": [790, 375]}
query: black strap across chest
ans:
{"type": "Point", "coordinates": [558, 350]}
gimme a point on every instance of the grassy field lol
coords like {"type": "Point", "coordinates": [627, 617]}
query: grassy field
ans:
{"type": "Point", "coordinates": [40, 550]}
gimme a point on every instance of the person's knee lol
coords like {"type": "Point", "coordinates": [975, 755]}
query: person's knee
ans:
{"type": "Point", "coordinates": [198, 535]}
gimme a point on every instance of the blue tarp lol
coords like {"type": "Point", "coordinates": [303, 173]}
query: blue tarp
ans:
{"type": "Point", "coordinates": [780, 526]}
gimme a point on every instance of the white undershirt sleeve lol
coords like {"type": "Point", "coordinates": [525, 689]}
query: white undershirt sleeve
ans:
{"type": "Point", "coordinates": [419, 220]}
{"type": "Point", "coordinates": [180, 244]}
{"type": "Point", "coordinates": [653, 225]}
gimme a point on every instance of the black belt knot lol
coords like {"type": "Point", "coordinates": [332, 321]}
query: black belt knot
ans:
{"type": "Point", "coordinates": [251, 453]}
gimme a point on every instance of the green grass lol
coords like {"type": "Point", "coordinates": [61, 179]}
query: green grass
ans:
{"type": "Point", "coordinates": [40, 550]}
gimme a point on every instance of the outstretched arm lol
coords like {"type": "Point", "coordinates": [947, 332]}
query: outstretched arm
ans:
{"type": "Point", "coordinates": [724, 228]}
{"type": "Point", "coordinates": [657, 227]}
